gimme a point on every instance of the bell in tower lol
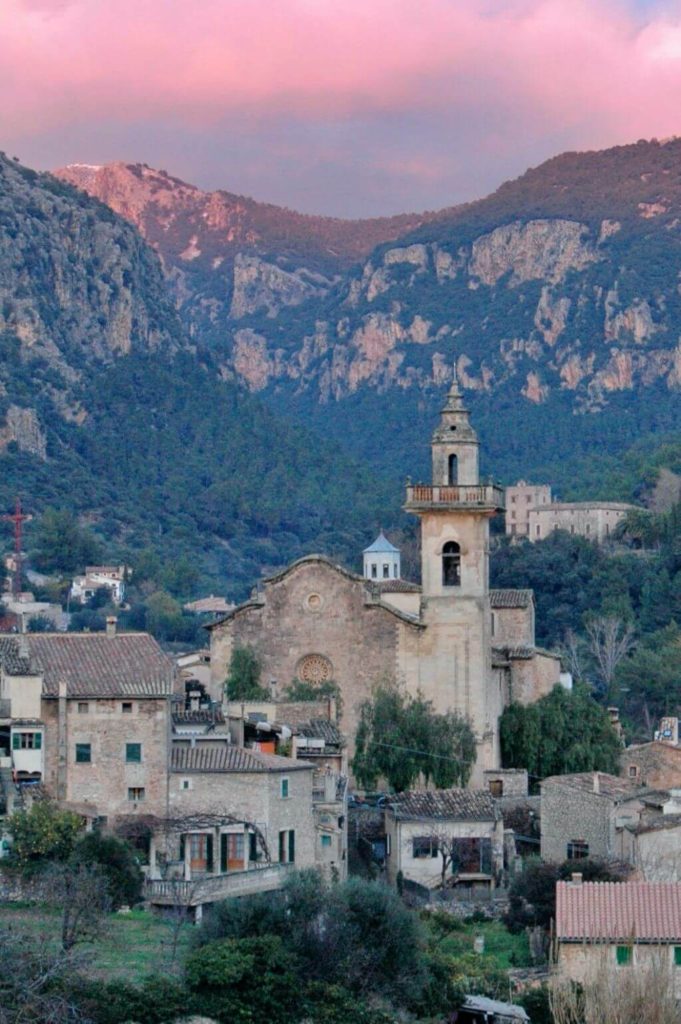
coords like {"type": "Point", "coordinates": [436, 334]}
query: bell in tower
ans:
{"type": "Point", "coordinates": [455, 444]}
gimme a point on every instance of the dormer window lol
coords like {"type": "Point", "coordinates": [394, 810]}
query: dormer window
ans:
{"type": "Point", "coordinates": [451, 564]}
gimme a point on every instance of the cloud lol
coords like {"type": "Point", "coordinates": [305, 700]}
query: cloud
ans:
{"type": "Point", "coordinates": [505, 76]}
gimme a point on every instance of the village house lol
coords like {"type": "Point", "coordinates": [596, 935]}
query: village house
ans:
{"type": "Point", "coordinates": [581, 814]}
{"type": "Point", "coordinates": [595, 520]}
{"type": "Point", "coordinates": [462, 826]}
{"type": "Point", "coordinates": [320, 623]}
{"type": "Point", "coordinates": [656, 765]}
{"type": "Point", "coordinates": [618, 926]}
{"type": "Point", "coordinates": [520, 498]}
{"type": "Point", "coordinates": [99, 577]}
{"type": "Point", "coordinates": [101, 723]}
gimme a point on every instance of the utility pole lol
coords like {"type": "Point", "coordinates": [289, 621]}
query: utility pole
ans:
{"type": "Point", "coordinates": [18, 518]}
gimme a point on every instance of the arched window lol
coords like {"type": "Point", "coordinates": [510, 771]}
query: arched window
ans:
{"type": "Point", "coordinates": [451, 564]}
{"type": "Point", "coordinates": [453, 472]}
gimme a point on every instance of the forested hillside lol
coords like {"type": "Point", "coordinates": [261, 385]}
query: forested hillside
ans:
{"type": "Point", "coordinates": [108, 410]}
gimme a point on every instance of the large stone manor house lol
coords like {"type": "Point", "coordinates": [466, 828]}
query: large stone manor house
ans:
{"type": "Point", "coordinates": [460, 645]}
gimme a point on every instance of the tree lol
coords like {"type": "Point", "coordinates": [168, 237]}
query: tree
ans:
{"type": "Point", "coordinates": [81, 891]}
{"type": "Point", "coordinates": [42, 833]}
{"type": "Point", "coordinates": [60, 544]}
{"type": "Point", "coordinates": [34, 982]}
{"type": "Point", "coordinates": [117, 862]}
{"type": "Point", "coordinates": [532, 896]}
{"type": "Point", "coordinates": [565, 731]}
{"type": "Point", "coordinates": [648, 683]}
{"type": "Point", "coordinates": [243, 678]}
{"type": "Point", "coordinates": [610, 640]}
{"type": "Point", "coordinates": [400, 737]}
{"type": "Point", "coordinates": [610, 996]}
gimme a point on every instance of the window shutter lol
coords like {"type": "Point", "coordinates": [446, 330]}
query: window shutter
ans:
{"type": "Point", "coordinates": [16, 741]}
{"type": "Point", "coordinates": [182, 848]}
{"type": "Point", "coordinates": [252, 846]}
{"type": "Point", "coordinates": [38, 741]}
{"type": "Point", "coordinates": [223, 852]}
{"type": "Point", "coordinates": [291, 846]}
{"type": "Point", "coordinates": [209, 853]}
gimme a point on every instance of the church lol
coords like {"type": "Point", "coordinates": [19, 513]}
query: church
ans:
{"type": "Point", "coordinates": [453, 640]}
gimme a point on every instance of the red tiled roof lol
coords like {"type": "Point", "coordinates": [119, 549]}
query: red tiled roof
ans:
{"type": "Point", "coordinates": [226, 758]}
{"type": "Point", "coordinates": [92, 664]}
{"type": "Point", "coordinates": [448, 804]}
{"type": "Point", "coordinates": [618, 911]}
{"type": "Point", "coordinates": [510, 598]}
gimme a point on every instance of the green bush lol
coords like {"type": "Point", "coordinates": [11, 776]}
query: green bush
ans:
{"type": "Point", "coordinates": [117, 862]}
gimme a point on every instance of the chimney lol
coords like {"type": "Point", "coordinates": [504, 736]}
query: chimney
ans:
{"type": "Point", "coordinates": [576, 878]}
{"type": "Point", "coordinates": [111, 621]}
{"type": "Point", "coordinates": [273, 689]}
{"type": "Point", "coordinates": [597, 782]}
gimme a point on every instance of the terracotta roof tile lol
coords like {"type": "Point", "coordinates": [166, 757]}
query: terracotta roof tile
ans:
{"type": "Point", "coordinates": [458, 804]}
{"type": "Point", "coordinates": [228, 758]}
{"type": "Point", "coordinates": [92, 664]}
{"type": "Point", "coordinates": [618, 911]}
{"type": "Point", "coordinates": [511, 598]}
{"type": "Point", "coordinates": [610, 786]}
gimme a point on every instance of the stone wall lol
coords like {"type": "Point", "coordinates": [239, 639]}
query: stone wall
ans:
{"type": "Point", "coordinates": [569, 814]}
{"type": "Point", "coordinates": [106, 780]}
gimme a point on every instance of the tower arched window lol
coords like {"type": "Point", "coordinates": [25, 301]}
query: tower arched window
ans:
{"type": "Point", "coordinates": [451, 564]}
{"type": "Point", "coordinates": [453, 471]}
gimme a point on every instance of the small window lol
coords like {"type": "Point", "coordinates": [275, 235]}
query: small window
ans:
{"type": "Point", "coordinates": [577, 849]}
{"type": "Point", "coordinates": [27, 740]}
{"type": "Point", "coordinates": [136, 794]}
{"type": "Point", "coordinates": [284, 789]}
{"type": "Point", "coordinates": [374, 571]}
{"type": "Point", "coordinates": [326, 841]}
{"type": "Point", "coordinates": [83, 753]}
{"type": "Point", "coordinates": [386, 571]}
{"type": "Point", "coordinates": [424, 847]}
{"type": "Point", "coordinates": [538, 531]}
{"type": "Point", "coordinates": [623, 955]}
{"type": "Point", "coordinates": [453, 471]}
{"type": "Point", "coordinates": [287, 846]}
{"type": "Point", "coordinates": [186, 784]}
{"type": "Point", "coordinates": [451, 564]}
{"type": "Point", "coordinates": [496, 787]}
{"type": "Point", "coordinates": [133, 753]}
{"type": "Point", "coordinates": [513, 500]}
{"type": "Point", "coordinates": [677, 956]}
{"type": "Point", "coordinates": [633, 771]}
{"type": "Point", "coordinates": [83, 707]}
{"type": "Point", "coordinates": [126, 707]}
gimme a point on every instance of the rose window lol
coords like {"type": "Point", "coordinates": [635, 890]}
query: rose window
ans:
{"type": "Point", "coordinates": [314, 668]}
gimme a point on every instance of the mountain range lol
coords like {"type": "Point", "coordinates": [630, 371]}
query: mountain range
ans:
{"type": "Point", "coordinates": [556, 299]}
{"type": "Point", "coordinates": [236, 383]}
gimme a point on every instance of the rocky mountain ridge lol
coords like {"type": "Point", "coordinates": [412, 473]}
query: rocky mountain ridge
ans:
{"type": "Point", "coordinates": [228, 256]}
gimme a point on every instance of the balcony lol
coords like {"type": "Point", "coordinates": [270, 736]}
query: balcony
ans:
{"type": "Point", "coordinates": [434, 497]}
{"type": "Point", "coordinates": [213, 888]}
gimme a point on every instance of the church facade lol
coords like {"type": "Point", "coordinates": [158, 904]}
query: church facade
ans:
{"type": "Point", "coordinates": [451, 639]}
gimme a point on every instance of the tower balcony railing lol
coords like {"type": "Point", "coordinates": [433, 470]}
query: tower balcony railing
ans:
{"type": "Point", "coordinates": [455, 496]}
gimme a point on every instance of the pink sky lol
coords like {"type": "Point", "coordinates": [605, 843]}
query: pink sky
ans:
{"type": "Point", "coordinates": [341, 106]}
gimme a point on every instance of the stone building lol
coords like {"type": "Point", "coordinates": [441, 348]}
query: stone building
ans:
{"type": "Point", "coordinates": [595, 520]}
{"type": "Point", "coordinates": [617, 926]}
{"type": "Point", "coordinates": [582, 813]}
{"type": "Point", "coordinates": [381, 560]}
{"type": "Point", "coordinates": [655, 765]}
{"type": "Point", "coordinates": [520, 498]}
{"type": "Point", "coordinates": [319, 622]}
{"type": "Point", "coordinates": [467, 825]}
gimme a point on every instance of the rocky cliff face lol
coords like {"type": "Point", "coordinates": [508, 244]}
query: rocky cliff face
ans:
{"type": "Point", "coordinates": [227, 256]}
{"type": "Point", "coordinates": [566, 281]}
{"type": "Point", "coordinates": [77, 288]}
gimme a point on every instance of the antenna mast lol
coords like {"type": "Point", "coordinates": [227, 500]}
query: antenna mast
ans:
{"type": "Point", "coordinates": [18, 518]}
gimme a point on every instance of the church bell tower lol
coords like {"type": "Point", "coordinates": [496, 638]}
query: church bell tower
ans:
{"type": "Point", "coordinates": [454, 667]}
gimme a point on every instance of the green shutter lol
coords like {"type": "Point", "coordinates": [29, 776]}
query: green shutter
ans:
{"type": "Point", "coordinates": [16, 741]}
{"type": "Point", "coordinates": [291, 846]}
{"type": "Point", "coordinates": [677, 956]}
{"type": "Point", "coordinates": [223, 852]}
{"type": "Point", "coordinates": [624, 955]}
{"type": "Point", "coordinates": [38, 741]}
{"type": "Point", "coordinates": [133, 753]}
{"type": "Point", "coordinates": [252, 846]}
{"type": "Point", "coordinates": [209, 853]}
